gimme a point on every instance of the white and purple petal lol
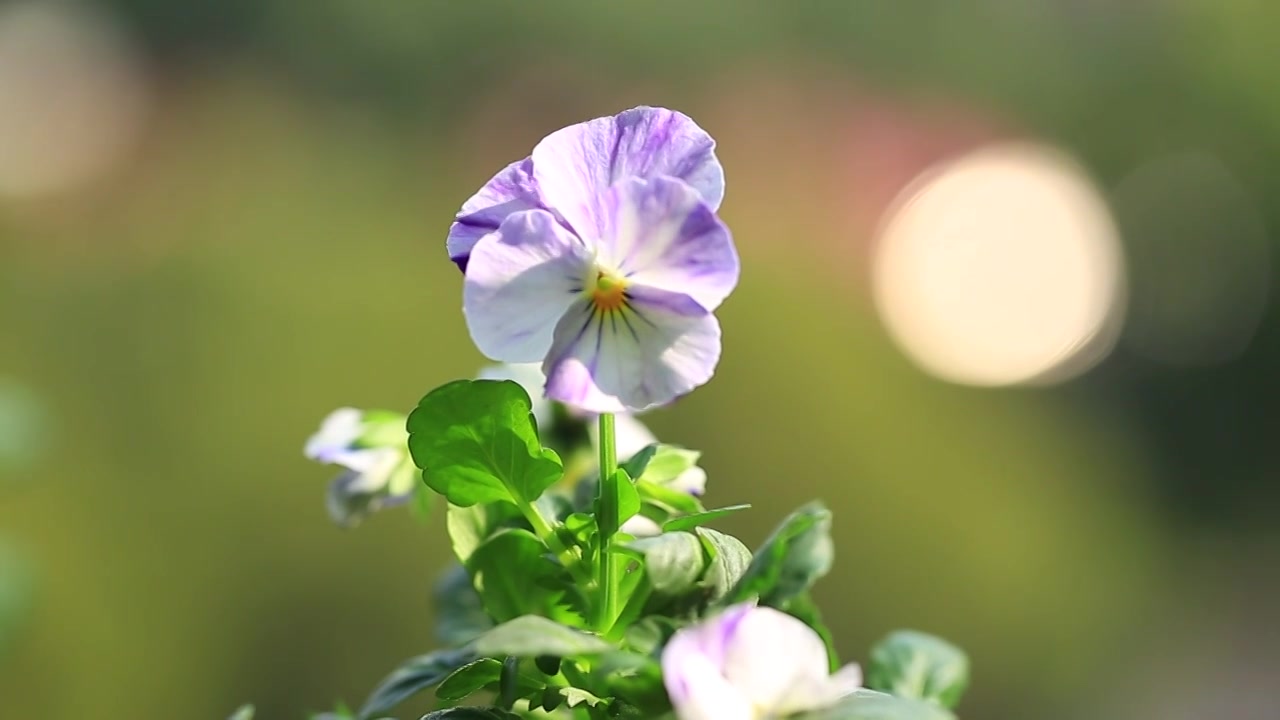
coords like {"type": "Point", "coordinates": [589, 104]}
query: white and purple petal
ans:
{"type": "Point", "coordinates": [779, 662]}
{"type": "Point", "coordinates": [510, 191]}
{"type": "Point", "coordinates": [660, 346]}
{"type": "Point", "coordinates": [519, 282]}
{"type": "Point", "coordinates": [692, 669]}
{"type": "Point", "coordinates": [382, 479]}
{"type": "Point", "coordinates": [699, 692]}
{"type": "Point", "coordinates": [753, 657]}
{"type": "Point", "coordinates": [337, 436]}
{"type": "Point", "coordinates": [691, 482]}
{"type": "Point", "coordinates": [660, 234]}
{"type": "Point", "coordinates": [575, 166]}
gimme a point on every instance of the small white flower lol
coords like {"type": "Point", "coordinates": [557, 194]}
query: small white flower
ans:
{"type": "Point", "coordinates": [751, 663]}
{"type": "Point", "coordinates": [335, 442]}
{"type": "Point", "coordinates": [372, 449]}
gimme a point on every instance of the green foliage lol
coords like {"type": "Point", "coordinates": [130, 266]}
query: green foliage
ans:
{"type": "Point", "coordinates": [244, 712]}
{"type": "Point", "coordinates": [667, 463]}
{"type": "Point", "coordinates": [674, 561]}
{"type": "Point", "coordinates": [618, 503]}
{"type": "Point", "coordinates": [468, 679]}
{"type": "Point", "coordinates": [689, 522]}
{"type": "Point", "coordinates": [531, 636]}
{"type": "Point", "coordinates": [470, 526]}
{"type": "Point", "coordinates": [459, 611]}
{"type": "Point", "coordinates": [730, 560]}
{"type": "Point", "coordinates": [476, 442]}
{"type": "Point", "coordinates": [472, 713]}
{"type": "Point", "coordinates": [413, 676]}
{"type": "Point", "coordinates": [917, 665]}
{"type": "Point", "coordinates": [506, 594]}
{"type": "Point", "coordinates": [870, 705]}
{"type": "Point", "coordinates": [797, 554]}
{"type": "Point", "coordinates": [537, 560]}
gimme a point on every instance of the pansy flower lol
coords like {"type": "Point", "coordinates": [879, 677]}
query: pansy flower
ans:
{"type": "Point", "coordinates": [601, 256]}
{"type": "Point", "coordinates": [751, 663]}
{"type": "Point", "coordinates": [371, 448]}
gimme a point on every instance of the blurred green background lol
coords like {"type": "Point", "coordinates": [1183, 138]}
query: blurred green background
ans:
{"type": "Point", "coordinates": [218, 221]}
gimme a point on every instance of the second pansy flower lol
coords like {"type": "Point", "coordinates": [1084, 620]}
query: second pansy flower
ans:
{"type": "Point", "coordinates": [601, 256]}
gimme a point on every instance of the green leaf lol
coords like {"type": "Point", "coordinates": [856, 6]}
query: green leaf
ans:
{"type": "Point", "coordinates": [476, 442]}
{"type": "Point", "coordinates": [917, 665]}
{"type": "Point", "coordinates": [576, 696]}
{"type": "Point", "coordinates": [635, 680]}
{"type": "Point", "coordinates": [618, 502]}
{"type": "Point", "coordinates": [870, 705]}
{"type": "Point", "coordinates": [414, 675]}
{"type": "Point", "coordinates": [244, 712]}
{"type": "Point", "coordinates": [459, 612]}
{"type": "Point", "coordinates": [531, 636]}
{"type": "Point", "coordinates": [797, 553]}
{"type": "Point", "coordinates": [674, 561]}
{"type": "Point", "coordinates": [470, 526]}
{"type": "Point", "coordinates": [729, 561]}
{"type": "Point", "coordinates": [468, 679]}
{"type": "Point", "coordinates": [668, 499]}
{"type": "Point", "coordinates": [513, 575]}
{"type": "Point", "coordinates": [547, 664]}
{"type": "Point", "coordinates": [635, 466]}
{"type": "Point", "coordinates": [578, 529]}
{"type": "Point", "coordinates": [668, 463]}
{"type": "Point", "coordinates": [472, 713]}
{"type": "Point", "coordinates": [650, 633]}
{"type": "Point", "coordinates": [689, 522]}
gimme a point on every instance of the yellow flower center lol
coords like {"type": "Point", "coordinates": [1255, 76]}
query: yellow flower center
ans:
{"type": "Point", "coordinates": [608, 292]}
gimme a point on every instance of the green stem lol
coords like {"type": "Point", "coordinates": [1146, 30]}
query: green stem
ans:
{"type": "Point", "coordinates": [508, 685]}
{"type": "Point", "coordinates": [542, 528]}
{"type": "Point", "coordinates": [608, 583]}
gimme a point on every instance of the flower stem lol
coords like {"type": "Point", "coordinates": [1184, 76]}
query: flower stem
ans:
{"type": "Point", "coordinates": [608, 583]}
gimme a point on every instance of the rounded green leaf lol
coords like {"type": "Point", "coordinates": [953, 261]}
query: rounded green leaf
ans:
{"type": "Point", "coordinates": [729, 561]}
{"type": "Point", "coordinates": [514, 576]}
{"type": "Point", "coordinates": [917, 665]}
{"type": "Point", "coordinates": [476, 442]}
{"type": "Point", "coordinates": [674, 561]}
{"type": "Point", "coordinates": [797, 553]}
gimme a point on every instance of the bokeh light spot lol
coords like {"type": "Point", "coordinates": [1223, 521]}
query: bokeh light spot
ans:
{"type": "Point", "coordinates": [73, 97]}
{"type": "Point", "coordinates": [1001, 267]}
